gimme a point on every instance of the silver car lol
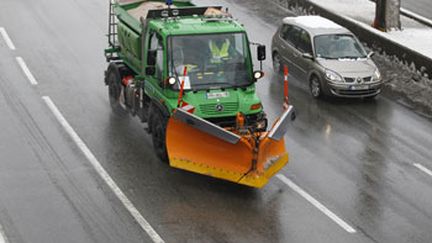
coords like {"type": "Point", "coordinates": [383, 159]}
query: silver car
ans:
{"type": "Point", "coordinates": [328, 56]}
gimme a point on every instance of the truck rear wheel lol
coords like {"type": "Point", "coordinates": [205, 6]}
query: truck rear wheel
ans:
{"type": "Point", "coordinates": [113, 80]}
{"type": "Point", "coordinates": [158, 130]}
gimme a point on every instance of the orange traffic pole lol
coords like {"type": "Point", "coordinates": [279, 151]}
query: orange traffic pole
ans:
{"type": "Point", "coordinates": [286, 88]}
{"type": "Point", "coordinates": [180, 98]}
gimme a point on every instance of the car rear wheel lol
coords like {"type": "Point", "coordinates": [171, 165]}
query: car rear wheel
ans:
{"type": "Point", "coordinates": [315, 88]}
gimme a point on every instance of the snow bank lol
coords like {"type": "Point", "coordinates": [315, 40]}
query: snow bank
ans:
{"type": "Point", "coordinates": [413, 35]}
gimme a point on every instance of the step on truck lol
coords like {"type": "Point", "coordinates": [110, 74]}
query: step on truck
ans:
{"type": "Point", "coordinates": [187, 72]}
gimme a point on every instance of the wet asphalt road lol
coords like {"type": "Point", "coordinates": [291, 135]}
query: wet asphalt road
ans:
{"type": "Point", "coordinates": [355, 157]}
{"type": "Point", "coordinates": [422, 7]}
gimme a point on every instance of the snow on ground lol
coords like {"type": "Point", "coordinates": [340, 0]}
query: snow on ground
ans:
{"type": "Point", "coordinates": [413, 35]}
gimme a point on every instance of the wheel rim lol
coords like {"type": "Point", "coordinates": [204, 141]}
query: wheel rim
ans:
{"type": "Point", "coordinates": [315, 87]}
{"type": "Point", "coordinates": [276, 63]}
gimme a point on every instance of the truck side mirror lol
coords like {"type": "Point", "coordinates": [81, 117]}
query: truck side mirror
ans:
{"type": "Point", "coordinates": [151, 57]}
{"type": "Point", "coordinates": [261, 52]}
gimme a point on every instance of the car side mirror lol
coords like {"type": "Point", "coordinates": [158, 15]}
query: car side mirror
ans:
{"type": "Point", "coordinates": [261, 52]}
{"type": "Point", "coordinates": [151, 57]}
{"type": "Point", "coordinates": [307, 56]}
{"type": "Point", "coordinates": [370, 54]}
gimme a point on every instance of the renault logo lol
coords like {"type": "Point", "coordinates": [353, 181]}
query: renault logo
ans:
{"type": "Point", "coordinates": [219, 107]}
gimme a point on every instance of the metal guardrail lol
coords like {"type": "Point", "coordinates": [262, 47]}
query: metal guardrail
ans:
{"type": "Point", "coordinates": [407, 13]}
{"type": "Point", "coordinates": [416, 17]}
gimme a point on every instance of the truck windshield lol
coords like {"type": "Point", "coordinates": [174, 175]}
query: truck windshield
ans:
{"type": "Point", "coordinates": [212, 61]}
{"type": "Point", "coordinates": [337, 46]}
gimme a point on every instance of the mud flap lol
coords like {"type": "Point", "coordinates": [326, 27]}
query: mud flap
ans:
{"type": "Point", "coordinates": [196, 145]}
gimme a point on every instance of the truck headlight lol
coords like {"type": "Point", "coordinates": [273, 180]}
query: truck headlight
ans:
{"type": "Point", "coordinates": [172, 80]}
{"type": "Point", "coordinates": [333, 76]}
{"type": "Point", "coordinates": [377, 75]}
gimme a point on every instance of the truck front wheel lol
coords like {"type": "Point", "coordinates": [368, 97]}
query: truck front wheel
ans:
{"type": "Point", "coordinates": [158, 128]}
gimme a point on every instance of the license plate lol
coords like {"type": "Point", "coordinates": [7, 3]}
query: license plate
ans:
{"type": "Point", "coordinates": [359, 87]}
{"type": "Point", "coordinates": [217, 95]}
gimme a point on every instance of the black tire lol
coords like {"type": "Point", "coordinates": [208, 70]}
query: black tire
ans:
{"type": "Point", "coordinates": [113, 80]}
{"type": "Point", "coordinates": [158, 130]}
{"type": "Point", "coordinates": [277, 63]}
{"type": "Point", "coordinates": [315, 88]}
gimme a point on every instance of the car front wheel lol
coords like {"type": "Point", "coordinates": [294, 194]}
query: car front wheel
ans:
{"type": "Point", "coordinates": [315, 88]}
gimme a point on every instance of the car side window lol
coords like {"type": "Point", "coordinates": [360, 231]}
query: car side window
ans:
{"type": "Point", "coordinates": [293, 36]}
{"type": "Point", "coordinates": [285, 32]}
{"type": "Point", "coordinates": [304, 42]}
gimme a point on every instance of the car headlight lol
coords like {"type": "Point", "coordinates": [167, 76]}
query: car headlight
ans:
{"type": "Point", "coordinates": [377, 75]}
{"type": "Point", "coordinates": [333, 76]}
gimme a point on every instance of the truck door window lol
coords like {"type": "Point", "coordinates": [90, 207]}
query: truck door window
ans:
{"type": "Point", "coordinates": [156, 44]}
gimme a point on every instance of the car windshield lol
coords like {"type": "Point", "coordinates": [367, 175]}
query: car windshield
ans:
{"type": "Point", "coordinates": [212, 61]}
{"type": "Point", "coordinates": [338, 47]}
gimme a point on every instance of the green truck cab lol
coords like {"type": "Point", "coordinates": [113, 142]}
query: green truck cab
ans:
{"type": "Point", "coordinates": [155, 48]}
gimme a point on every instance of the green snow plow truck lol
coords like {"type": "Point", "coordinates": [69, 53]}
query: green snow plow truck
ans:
{"type": "Point", "coordinates": [187, 72]}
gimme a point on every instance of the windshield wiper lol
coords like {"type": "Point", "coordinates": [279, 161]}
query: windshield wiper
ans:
{"type": "Point", "coordinates": [212, 83]}
{"type": "Point", "coordinates": [328, 58]}
{"type": "Point", "coordinates": [349, 57]}
{"type": "Point", "coordinates": [223, 85]}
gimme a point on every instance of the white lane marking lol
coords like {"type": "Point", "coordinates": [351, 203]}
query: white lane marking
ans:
{"type": "Point", "coordinates": [26, 71]}
{"type": "Point", "coordinates": [317, 204]}
{"type": "Point", "coordinates": [424, 169]}
{"type": "Point", "coordinates": [3, 238]}
{"type": "Point", "coordinates": [7, 39]}
{"type": "Point", "coordinates": [102, 172]}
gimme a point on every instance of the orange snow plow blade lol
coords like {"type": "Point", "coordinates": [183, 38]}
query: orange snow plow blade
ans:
{"type": "Point", "coordinates": [199, 146]}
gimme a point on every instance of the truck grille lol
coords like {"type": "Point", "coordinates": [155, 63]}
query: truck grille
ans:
{"type": "Point", "coordinates": [211, 109]}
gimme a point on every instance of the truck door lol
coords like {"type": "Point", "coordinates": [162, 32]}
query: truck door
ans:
{"type": "Point", "coordinates": [155, 49]}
